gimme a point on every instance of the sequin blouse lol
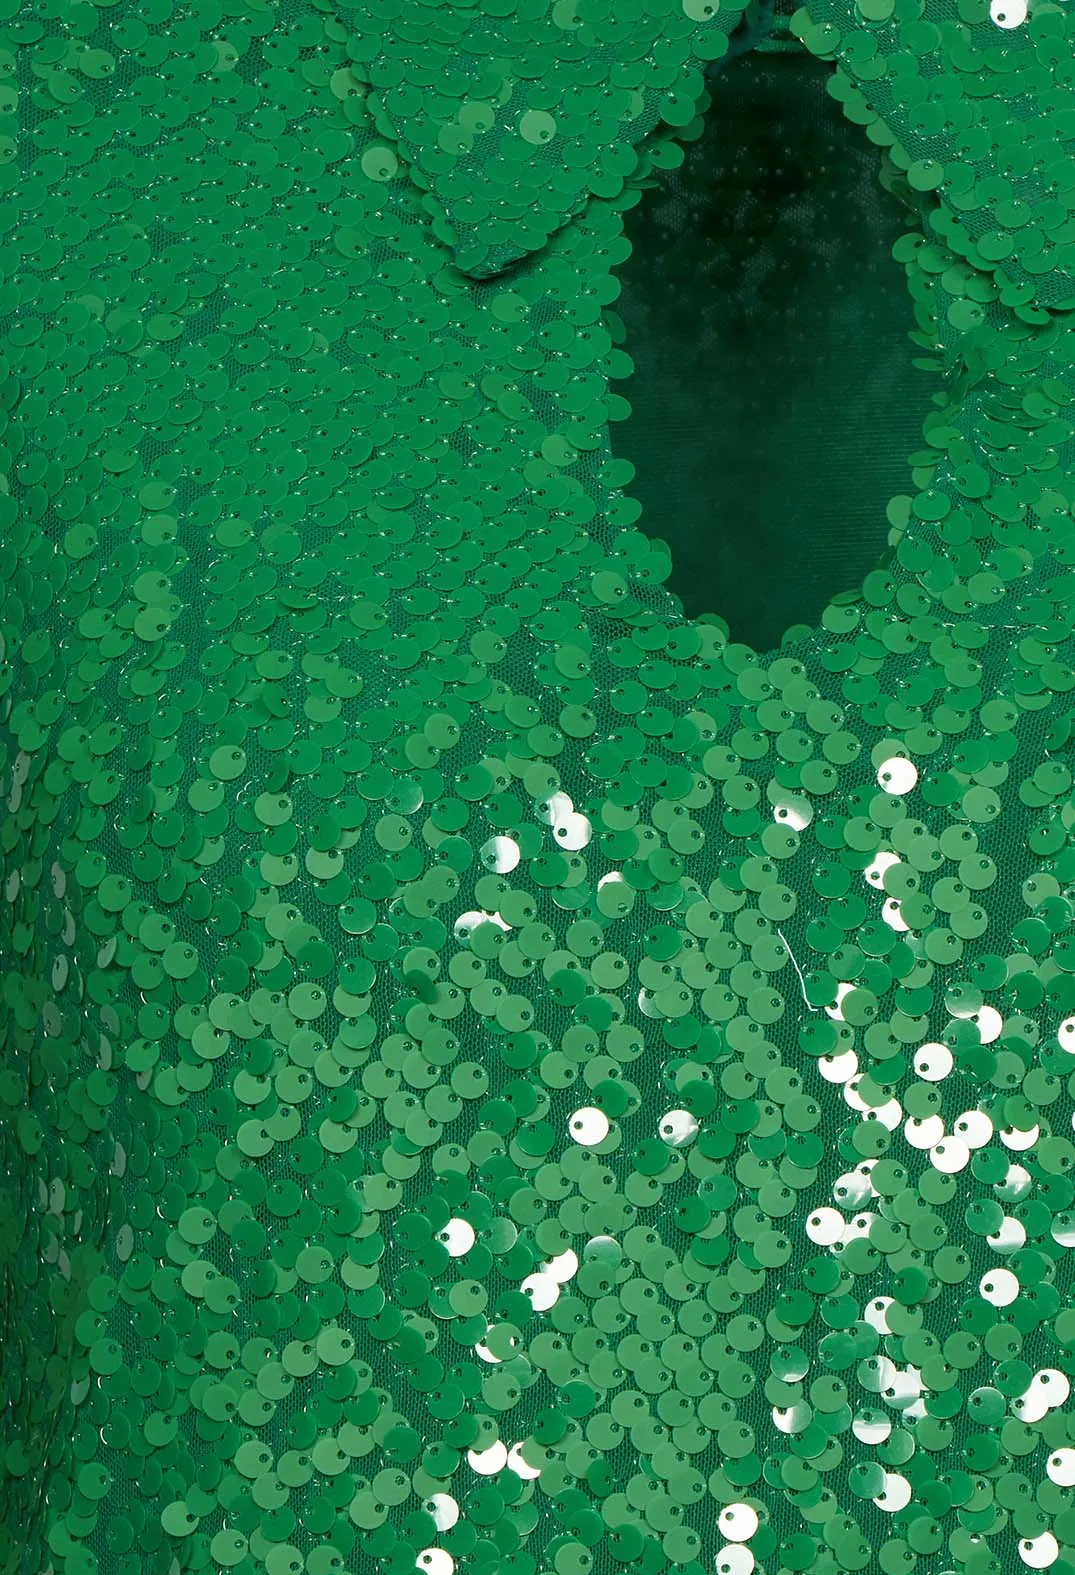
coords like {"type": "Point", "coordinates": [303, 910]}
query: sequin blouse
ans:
{"type": "Point", "coordinates": [513, 1063]}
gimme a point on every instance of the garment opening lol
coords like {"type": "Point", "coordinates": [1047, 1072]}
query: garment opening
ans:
{"type": "Point", "coordinates": [774, 402]}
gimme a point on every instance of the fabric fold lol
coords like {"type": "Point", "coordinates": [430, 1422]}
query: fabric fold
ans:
{"type": "Point", "coordinates": [512, 122]}
{"type": "Point", "coordinates": [510, 118]}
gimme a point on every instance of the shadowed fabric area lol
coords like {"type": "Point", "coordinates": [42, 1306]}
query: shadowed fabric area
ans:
{"type": "Point", "coordinates": [774, 401]}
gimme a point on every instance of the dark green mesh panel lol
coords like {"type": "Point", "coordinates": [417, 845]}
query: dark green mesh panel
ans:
{"type": "Point", "coordinates": [774, 401]}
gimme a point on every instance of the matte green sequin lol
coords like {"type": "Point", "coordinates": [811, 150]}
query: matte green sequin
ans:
{"type": "Point", "coordinates": [497, 1077]}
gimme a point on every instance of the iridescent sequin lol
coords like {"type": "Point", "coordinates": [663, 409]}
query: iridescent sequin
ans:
{"type": "Point", "coordinates": [495, 1075]}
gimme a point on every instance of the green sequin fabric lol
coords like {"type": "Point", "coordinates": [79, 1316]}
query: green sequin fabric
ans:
{"type": "Point", "coordinates": [513, 115]}
{"type": "Point", "coordinates": [499, 1077]}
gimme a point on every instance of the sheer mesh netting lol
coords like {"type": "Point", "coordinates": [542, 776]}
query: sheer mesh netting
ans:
{"type": "Point", "coordinates": [775, 399]}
